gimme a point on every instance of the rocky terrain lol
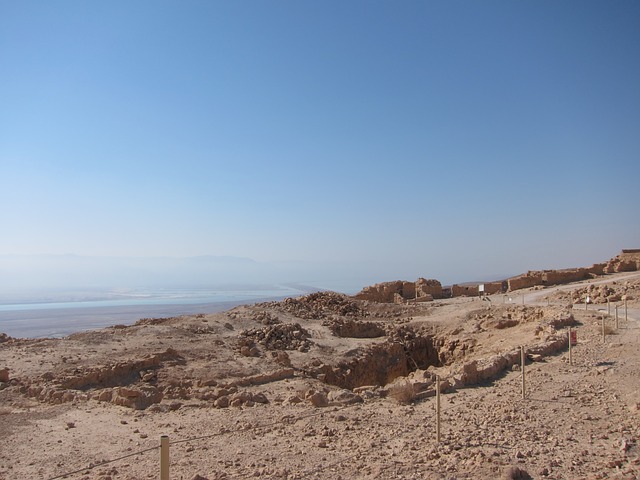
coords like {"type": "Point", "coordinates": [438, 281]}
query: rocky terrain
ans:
{"type": "Point", "coordinates": [328, 386]}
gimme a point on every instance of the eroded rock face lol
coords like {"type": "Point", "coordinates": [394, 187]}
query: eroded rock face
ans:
{"type": "Point", "coordinates": [349, 328]}
{"type": "Point", "coordinates": [378, 365]}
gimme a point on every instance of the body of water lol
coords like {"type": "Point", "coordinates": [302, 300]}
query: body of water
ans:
{"type": "Point", "coordinates": [99, 310]}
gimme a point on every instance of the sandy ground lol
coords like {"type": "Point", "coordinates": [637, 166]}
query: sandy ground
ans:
{"type": "Point", "coordinates": [308, 407]}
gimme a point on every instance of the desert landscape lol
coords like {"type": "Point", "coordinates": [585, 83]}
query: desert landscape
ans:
{"type": "Point", "coordinates": [342, 387]}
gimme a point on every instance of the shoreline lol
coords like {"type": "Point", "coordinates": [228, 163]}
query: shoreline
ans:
{"type": "Point", "coordinates": [61, 322]}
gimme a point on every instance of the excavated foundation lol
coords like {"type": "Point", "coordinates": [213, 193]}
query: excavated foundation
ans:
{"type": "Point", "coordinates": [382, 363]}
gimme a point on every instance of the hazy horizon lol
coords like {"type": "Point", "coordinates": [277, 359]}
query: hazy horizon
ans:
{"type": "Point", "coordinates": [69, 277]}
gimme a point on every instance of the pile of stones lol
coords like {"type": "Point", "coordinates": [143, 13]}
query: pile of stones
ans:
{"type": "Point", "coordinates": [265, 318]}
{"type": "Point", "coordinates": [320, 305]}
{"type": "Point", "coordinates": [598, 294]}
{"type": "Point", "coordinates": [282, 336]}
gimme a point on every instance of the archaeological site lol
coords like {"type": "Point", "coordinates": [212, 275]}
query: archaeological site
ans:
{"type": "Point", "coordinates": [404, 380]}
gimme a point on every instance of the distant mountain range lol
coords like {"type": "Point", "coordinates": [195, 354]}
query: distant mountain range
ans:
{"type": "Point", "coordinates": [29, 271]}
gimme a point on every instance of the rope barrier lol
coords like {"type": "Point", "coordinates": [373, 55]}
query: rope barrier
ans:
{"type": "Point", "coordinates": [202, 437]}
{"type": "Point", "coordinates": [106, 462]}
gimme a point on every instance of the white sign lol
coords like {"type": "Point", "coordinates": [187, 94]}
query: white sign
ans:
{"type": "Point", "coordinates": [481, 287]}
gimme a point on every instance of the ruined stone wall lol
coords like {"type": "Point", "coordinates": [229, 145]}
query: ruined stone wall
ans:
{"type": "Point", "coordinates": [557, 277]}
{"type": "Point", "coordinates": [429, 287]}
{"type": "Point", "coordinates": [526, 280]}
{"type": "Point", "coordinates": [400, 291]}
{"type": "Point", "coordinates": [597, 269]}
{"type": "Point", "coordinates": [494, 287]}
{"type": "Point", "coordinates": [550, 277]}
{"type": "Point", "coordinates": [627, 261]}
{"type": "Point", "coordinates": [381, 292]}
{"type": "Point", "coordinates": [464, 290]}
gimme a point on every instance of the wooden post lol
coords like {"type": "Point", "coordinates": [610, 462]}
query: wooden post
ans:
{"type": "Point", "coordinates": [570, 357]}
{"type": "Point", "coordinates": [522, 358]}
{"type": "Point", "coordinates": [616, 314]}
{"type": "Point", "coordinates": [626, 320]}
{"type": "Point", "coordinates": [617, 326]}
{"type": "Point", "coordinates": [438, 408]}
{"type": "Point", "coordinates": [603, 334]}
{"type": "Point", "coordinates": [608, 307]}
{"type": "Point", "coordinates": [164, 457]}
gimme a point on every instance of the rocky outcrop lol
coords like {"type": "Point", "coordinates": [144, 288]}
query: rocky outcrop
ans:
{"type": "Point", "coordinates": [5, 338]}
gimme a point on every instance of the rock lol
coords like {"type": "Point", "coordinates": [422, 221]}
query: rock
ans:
{"type": "Point", "coordinates": [344, 397]}
{"type": "Point", "coordinates": [260, 398]}
{"type": "Point", "coordinates": [199, 477]}
{"type": "Point", "coordinates": [137, 398]}
{"type": "Point", "coordinates": [516, 473]}
{"type": "Point", "coordinates": [222, 402]}
{"type": "Point", "coordinates": [319, 399]}
{"type": "Point", "coordinates": [4, 375]}
{"type": "Point", "coordinates": [105, 396]}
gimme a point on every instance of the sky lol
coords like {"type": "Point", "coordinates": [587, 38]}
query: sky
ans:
{"type": "Point", "coordinates": [380, 140]}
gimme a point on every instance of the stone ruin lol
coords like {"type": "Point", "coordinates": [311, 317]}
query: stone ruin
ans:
{"type": "Point", "coordinates": [400, 291]}
{"type": "Point", "coordinates": [627, 261]}
{"type": "Point", "coordinates": [423, 290]}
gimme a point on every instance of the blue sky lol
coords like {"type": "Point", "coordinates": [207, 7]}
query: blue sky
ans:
{"type": "Point", "coordinates": [453, 140]}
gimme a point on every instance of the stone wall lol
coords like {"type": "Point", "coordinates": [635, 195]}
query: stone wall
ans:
{"type": "Point", "coordinates": [464, 290]}
{"type": "Point", "coordinates": [495, 287]}
{"type": "Point", "coordinates": [627, 261]}
{"type": "Point", "coordinates": [526, 280]}
{"type": "Point", "coordinates": [400, 291]}
{"type": "Point", "coordinates": [556, 277]}
{"type": "Point", "coordinates": [429, 287]}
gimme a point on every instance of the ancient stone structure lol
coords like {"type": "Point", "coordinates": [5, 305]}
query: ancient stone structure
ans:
{"type": "Point", "coordinates": [553, 277]}
{"type": "Point", "coordinates": [627, 261]}
{"type": "Point", "coordinates": [401, 291]}
{"type": "Point", "coordinates": [473, 290]}
{"type": "Point", "coordinates": [464, 291]}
